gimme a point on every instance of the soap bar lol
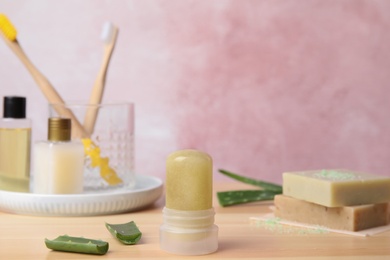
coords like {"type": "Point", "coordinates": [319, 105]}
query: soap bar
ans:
{"type": "Point", "coordinates": [336, 188]}
{"type": "Point", "coordinates": [189, 180]}
{"type": "Point", "coordinates": [351, 218]}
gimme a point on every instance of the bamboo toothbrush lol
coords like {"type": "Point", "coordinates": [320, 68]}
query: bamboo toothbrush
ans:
{"type": "Point", "coordinates": [9, 34]}
{"type": "Point", "coordinates": [109, 36]}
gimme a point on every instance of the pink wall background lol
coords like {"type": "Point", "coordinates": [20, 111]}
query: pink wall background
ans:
{"type": "Point", "coordinates": [262, 86]}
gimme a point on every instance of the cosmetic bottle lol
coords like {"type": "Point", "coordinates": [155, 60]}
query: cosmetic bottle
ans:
{"type": "Point", "coordinates": [58, 162]}
{"type": "Point", "coordinates": [15, 144]}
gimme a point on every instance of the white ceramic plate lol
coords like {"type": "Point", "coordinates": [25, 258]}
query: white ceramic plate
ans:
{"type": "Point", "coordinates": [147, 190]}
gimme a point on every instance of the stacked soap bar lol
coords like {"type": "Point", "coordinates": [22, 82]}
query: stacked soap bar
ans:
{"type": "Point", "coordinates": [338, 199]}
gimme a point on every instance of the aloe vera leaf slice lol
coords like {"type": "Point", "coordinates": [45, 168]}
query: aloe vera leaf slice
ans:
{"type": "Point", "coordinates": [229, 198]}
{"type": "Point", "coordinates": [265, 185]}
{"type": "Point", "coordinates": [77, 245]}
{"type": "Point", "coordinates": [127, 233]}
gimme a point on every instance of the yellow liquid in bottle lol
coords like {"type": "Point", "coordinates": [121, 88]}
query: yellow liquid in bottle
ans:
{"type": "Point", "coordinates": [15, 159]}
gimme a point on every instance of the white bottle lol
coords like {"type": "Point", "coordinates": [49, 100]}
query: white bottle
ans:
{"type": "Point", "coordinates": [58, 162]}
{"type": "Point", "coordinates": [15, 143]}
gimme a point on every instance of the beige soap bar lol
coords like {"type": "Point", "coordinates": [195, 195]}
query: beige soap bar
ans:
{"type": "Point", "coordinates": [353, 218]}
{"type": "Point", "coordinates": [336, 188]}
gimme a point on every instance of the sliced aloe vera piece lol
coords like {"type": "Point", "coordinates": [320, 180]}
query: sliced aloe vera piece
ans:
{"type": "Point", "coordinates": [229, 198]}
{"type": "Point", "coordinates": [262, 184]}
{"type": "Point", "coordinates": [127, 233]}
{"type": "Point", "coordinates": [77, 245]}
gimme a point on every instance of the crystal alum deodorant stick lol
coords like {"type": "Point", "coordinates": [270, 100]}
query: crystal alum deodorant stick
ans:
{"type": "Point", "coordinates": [188, 216]}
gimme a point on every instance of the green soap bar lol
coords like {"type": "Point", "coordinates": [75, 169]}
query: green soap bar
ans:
{"type": "Point", "coordinates": [77, 245]}
{"type": "Point", "coordinates": [127, 233]}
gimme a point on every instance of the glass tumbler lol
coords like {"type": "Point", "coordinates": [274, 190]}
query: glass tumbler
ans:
{"type": "Point", "coordinates": [107, 133]}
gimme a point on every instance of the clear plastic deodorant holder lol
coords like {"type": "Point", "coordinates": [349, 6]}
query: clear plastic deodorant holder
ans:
{"type": "Point", "coordinates": [189, 233]}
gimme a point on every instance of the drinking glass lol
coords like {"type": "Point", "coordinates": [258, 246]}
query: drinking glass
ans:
{"type": "Point", "coordinates": [108, 142]}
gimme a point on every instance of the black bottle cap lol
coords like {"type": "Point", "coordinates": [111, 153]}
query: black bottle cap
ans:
{"type": "Point", "coordinates": [14, 107]}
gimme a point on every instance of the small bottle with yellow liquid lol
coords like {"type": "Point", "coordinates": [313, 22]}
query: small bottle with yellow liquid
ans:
{"type": "Point", "coordinates": [58, 162]}
{"type": "Point", "coordinates": [15, 144]}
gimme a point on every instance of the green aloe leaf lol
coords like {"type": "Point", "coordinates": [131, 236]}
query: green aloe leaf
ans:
{"type": "Point", "coordinates": [229, 198]}
{"type": "Point", "coordinates": [77, 245]}
{"type": "Point", "coordinates": [127, 233]}
{"type": "Point", "coordinates": [262, 184]}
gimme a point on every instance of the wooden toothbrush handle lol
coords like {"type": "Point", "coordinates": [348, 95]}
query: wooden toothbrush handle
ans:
{"type": "Point", "coordinates": [98, 88]}
{"type": "Point", "coordinates": [93, 105]}
{"type": "Point", "coordinates": [48, 90]}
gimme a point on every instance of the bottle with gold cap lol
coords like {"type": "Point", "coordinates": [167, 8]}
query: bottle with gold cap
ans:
{"type": "Point", "coordinates": [58, 162]}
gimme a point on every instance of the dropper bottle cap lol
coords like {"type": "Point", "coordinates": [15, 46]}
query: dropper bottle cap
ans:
{"type": "Point", "coordinates": [14, 107]}
{"type": "Point", "coordinates": [59, 129]}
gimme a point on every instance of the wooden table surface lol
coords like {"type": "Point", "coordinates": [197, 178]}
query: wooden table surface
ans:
{"type": "Point", "coordinates": [22, 237]}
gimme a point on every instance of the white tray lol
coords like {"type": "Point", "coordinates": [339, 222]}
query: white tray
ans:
{"type": "Point", "coordinates": [146, 191]}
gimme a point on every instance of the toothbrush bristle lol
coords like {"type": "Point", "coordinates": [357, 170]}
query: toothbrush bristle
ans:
{"type": "Point", "coordinates": [107, 32]}
{"type": "Point", "coordinates": [7, 28]}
